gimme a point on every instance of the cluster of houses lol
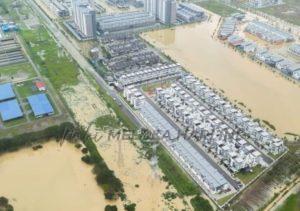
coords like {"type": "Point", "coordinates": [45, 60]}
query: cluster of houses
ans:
{"type": "Point", "coordinates": [118, 48]}
{"type": "Point", "coordinates": [242, 44]}
{"type": "Point", "coordinates": [228, 25]}
{"type": "Point", "coordinates": [234, 116]}
{"type": "Point", "coordinates": [282, 64]}
{"type": "Point", "coordinates": [153, 74]}
{"type": "Point", "coordinates": [212, 132]}
{"type": "Point", "coordinates": [268, 33]}
{"type": "Point", "coordinates": [133, 96]}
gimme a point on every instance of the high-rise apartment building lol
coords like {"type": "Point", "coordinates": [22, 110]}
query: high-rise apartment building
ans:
{"type": "Point", "coordinates": [84, 18]}
{"type": "Point", "coordinates": [163, 10]}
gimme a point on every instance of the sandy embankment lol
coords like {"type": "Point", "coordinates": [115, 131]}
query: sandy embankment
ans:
{"type": "Point", "coordinates": [52, 178]}
{"type": "Point", "coordinates": [268, 95]}
{"type": "Point", "coordinates": [120, 155]}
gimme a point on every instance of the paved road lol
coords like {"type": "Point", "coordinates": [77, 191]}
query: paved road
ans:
{"type": "Point", "coordinates": [83, 63]}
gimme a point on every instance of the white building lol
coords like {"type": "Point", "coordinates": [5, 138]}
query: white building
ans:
{"type": "Point", "coordinates": [84, 17]}
{"type": "Point", "coordinates": [163, 10]}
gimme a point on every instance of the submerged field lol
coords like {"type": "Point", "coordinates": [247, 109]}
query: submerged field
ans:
{"type": "Point", "coordinates": [52, 178]}
{"type": "Point", "coordinates": [265, 95]}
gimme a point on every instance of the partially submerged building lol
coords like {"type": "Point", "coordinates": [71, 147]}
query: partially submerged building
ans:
{"type": "Point", "coordinates": [295, 49]}
{"type": "Point", "coordinates": [227, 28]}
{"type": "Point", "coordinates": [268, 33]}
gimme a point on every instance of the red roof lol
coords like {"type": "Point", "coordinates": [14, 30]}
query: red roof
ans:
{"type": "Point", "coordinates": [40, 85]}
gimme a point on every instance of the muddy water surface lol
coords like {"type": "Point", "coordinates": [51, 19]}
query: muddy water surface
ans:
{"type": "Point", "coordinates": [52, 178]}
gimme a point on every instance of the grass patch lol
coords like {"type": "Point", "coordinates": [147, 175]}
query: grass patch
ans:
{"type": "Point", "coordinates": [107, 121]}
{"type": "Point", "coordinates": [110, 103]}
{"type": "Point", "coordinates": [269, 124]}
{"type": "Point", "coordinates": [175, 175]}
{"type": "Point", "coordinates": [223, 200]}
{"type": "Point", "coordinates": [54, 64]}
{"type": "Point", "coordinates": [12, 71]}
{"type": "Point", "coordinates": [292, 203]}
{"type": "Point", "coordinates": [217, 7]}
{"type": "Point", "coordinates": [26, 89]}
{"type": "Point", "coordinates": [247, 177]}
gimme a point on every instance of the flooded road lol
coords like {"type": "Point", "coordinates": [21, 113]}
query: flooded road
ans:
{"type": "Point", "coordinates": [52, 178]}
{"type": "Point", "coordinates": [268, 95]}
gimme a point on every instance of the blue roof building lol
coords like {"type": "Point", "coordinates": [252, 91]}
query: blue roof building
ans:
{"type": "Point", "coordinates": [10, 110]}
{"type": "Point", "coordinates": [6, 92]}
{"type": "Point", "coordinates": [40, 105]}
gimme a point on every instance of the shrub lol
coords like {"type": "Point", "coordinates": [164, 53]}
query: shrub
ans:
{"type": "Point", "coordinates": [111, 208]}
{"type": "Point", "coordinates": [130, 207]}
{"type": "Point", "coordinates": [87, 159]}
{"type": "Point", "coordinates": [201, 204]}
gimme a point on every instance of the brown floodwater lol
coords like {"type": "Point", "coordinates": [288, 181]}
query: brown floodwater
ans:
{"type": "Point", "coordinates": [269, 96]}
{"type": "Point", "coordinates": [52, 178]}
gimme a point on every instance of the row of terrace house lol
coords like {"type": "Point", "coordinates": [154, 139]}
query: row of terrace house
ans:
{"type": "Point", "coordinates": [212, 132]}
{"type": "Point", "coordinates": [282, 64]}
{"type": "Point", "coordinates": [235, 117]}
{"type": "Point", "coordinates": [263, 55]}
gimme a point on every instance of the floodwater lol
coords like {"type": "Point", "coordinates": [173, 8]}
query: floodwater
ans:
{"type": "Point", "coordinates": [269, 96]}
{"type": "Point", "coordinates": [51, 178]}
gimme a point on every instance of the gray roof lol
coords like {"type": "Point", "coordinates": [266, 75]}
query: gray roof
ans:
{"type": "Point", "coordinates": [185, 150]}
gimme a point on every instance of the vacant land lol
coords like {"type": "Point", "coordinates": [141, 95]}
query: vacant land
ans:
{"type": "Point", "coordinates": [217, 7]}
{"type": "Point", "coordinates": [290, 11]}
{"type": "Point", "coordinates": [16, 72]}
{"type": "Point", "coordinates": [263, 191]}
{"type": "Point", "coordinates": [51, 59]}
